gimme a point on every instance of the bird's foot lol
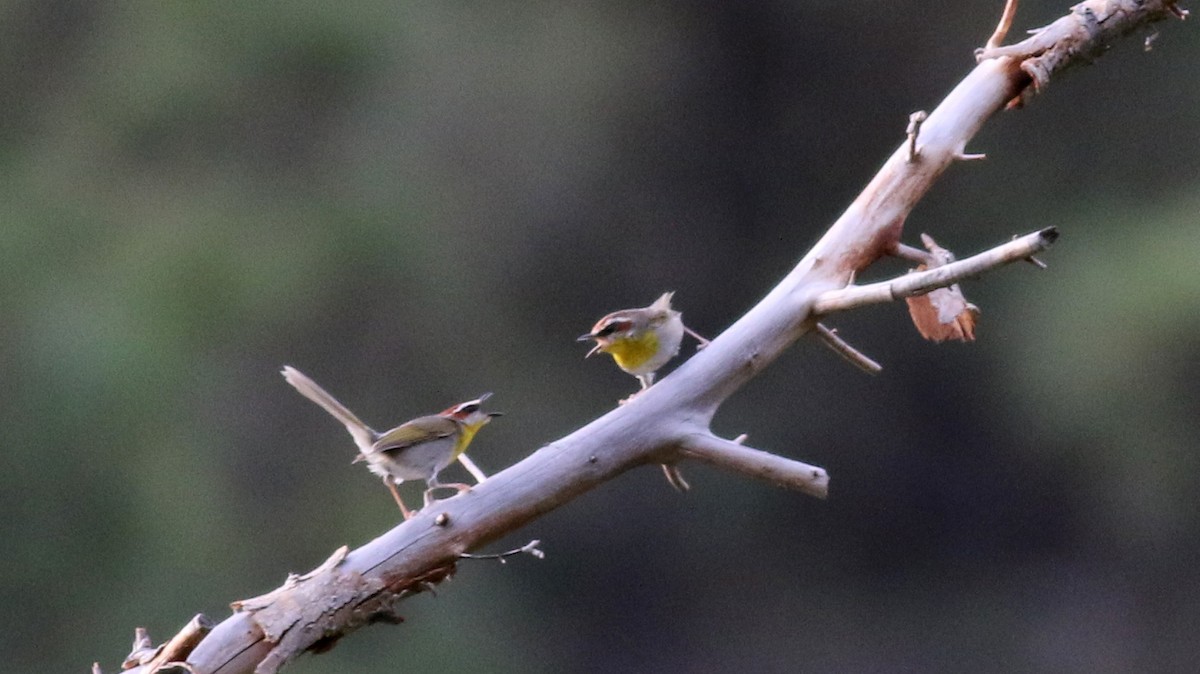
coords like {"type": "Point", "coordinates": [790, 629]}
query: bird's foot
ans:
{"type": "Point", "coordinates": [626, 401]}
{"type": "Point", "coordinates": [455, 485]}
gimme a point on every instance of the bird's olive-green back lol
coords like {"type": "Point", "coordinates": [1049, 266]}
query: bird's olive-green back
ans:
{"type": "Point", "coordinates": [421, 429]}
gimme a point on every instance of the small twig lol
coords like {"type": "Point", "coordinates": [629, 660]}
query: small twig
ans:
{"type": "Point", "coordinates": [916, 283]}
{"type": "Point", "coordinates": [176, 650]}
{"type": "Point", "coordinates": [169, 656]}
{"type": "Point", "coordinates": [857, 358]}
{"type": "Point", "coordinates": [732, 455]}
{"type": "Point", "coordinates": [142, 651]}
{"type": "Point", "coordinates": [941, 255]}
{"type": "Point", "coordinates": [675, 477]}
{"type": "Point", "coordinates": [479, 475]}
{"type": "Point", "coordinates": [912, 254]}
{"type": "Point", "coordinates": [914, 129]}
{"type": "Point", "coordinates": [1002, 28]}
{"type": "Point", "coordinates": [701, 341]}
{"type": "Point", "coordinates": [530, 548]}
{"type": "Point", "coordinates": [1035, 261]}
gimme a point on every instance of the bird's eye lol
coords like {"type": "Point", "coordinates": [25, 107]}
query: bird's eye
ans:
{"type": "Point", "coordinates": [614, 326]}
{"type": "Point", "coordinates": [468, 408]}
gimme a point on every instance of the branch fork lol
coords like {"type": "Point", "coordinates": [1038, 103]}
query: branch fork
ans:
{"type": "Point", "coordinates": [940, 272]}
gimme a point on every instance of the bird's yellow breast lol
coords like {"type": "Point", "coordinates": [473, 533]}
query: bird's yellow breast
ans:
{"type": "Point", "coordinates": [631, 353]}
{"type": "Point", "coordinates": [466, 435]}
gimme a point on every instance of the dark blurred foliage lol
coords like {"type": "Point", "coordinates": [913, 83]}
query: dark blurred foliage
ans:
{"type": "Point", "coordinates": [418, 202]}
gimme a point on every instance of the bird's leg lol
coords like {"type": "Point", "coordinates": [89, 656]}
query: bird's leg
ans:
{"type": "Point", "coordinates": [646, 380]}
{"type": "Point", "coordinates": [453, 485]}
{"type": "Point", "coordinates": [391, 485]}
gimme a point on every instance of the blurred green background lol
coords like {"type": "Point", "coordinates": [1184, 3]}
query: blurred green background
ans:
{"type": "Point", "coordinates": [418, 202]}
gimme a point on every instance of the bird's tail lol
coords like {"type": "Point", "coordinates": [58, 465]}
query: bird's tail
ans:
{"type": "Point", "coordinates": [364, 436]}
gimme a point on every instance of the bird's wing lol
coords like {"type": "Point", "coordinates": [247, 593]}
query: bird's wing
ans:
{"type": "Point", "coordinates": [421, 429]}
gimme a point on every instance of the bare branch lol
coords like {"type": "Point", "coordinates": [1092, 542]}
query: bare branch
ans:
{"type": "Point", "coordinates": [142, 651]}
{"type": "Point", "coordinates": [175, 651]}
{"type": "Point", "coordinates": [1076, 38]}
{"type": "Point", "coordinates": [169, 657]}
{"type": "Point", "coordinates": [760, 465]}
{"type": "Point", "coordinates": [916, 283]}
{"type": "Point", "coordinates": [530, 548]}
{"type": "Point", "coordinates": [857, 358]}
{"type": "Point", "coordinates": [912, 254]}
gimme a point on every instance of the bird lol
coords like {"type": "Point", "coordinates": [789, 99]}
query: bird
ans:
{"type": "Point", "coordinates": [415, 450]}
{"type": "Point", "coordinates": [641, 341]}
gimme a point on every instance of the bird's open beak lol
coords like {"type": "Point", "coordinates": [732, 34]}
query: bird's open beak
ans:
{"type": "Point", "coordinates": [495, 414]}
{"type": "Point", "coordinates": [584, 338]}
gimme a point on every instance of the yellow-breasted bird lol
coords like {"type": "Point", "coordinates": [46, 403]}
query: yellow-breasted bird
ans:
{"type": "Point", "coordinates": [641, 341]}
{"type": "Point", "coordinates": [415, 450]}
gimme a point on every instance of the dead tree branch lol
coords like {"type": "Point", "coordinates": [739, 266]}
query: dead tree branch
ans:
{"type": "Point", "coordinates": [918, 282]}
{"type": "Point", "coordinates": [669, 422]}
